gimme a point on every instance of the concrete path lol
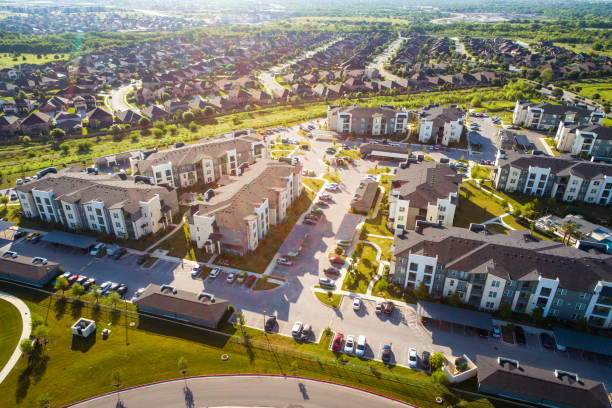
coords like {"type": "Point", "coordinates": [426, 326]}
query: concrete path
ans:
{"type": "Point", "coordinates": [25, 331]}
{"type": "Point", "coordinates": [180, 225]}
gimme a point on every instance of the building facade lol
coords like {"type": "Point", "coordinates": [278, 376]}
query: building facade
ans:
{"type": "Point", "coordinates": [545, 116]}
{"type": "Point", "coordinates": [585, 141]}
{"type": "Point", "coordinates": [487, 271]}
{"type": "Point", "coordinates": [439, 125]}
{"type": "Point", "coordinates": [108, 204]}
{"type": "Point", "coordinates": [361, 120]}
{"type": "Point", "coordinates": [560, 178]}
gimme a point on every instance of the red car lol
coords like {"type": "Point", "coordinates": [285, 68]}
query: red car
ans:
{"type": "Point", "coordinates": [331, 270]}
{"type": "Point", "coordinates": [73, 278]}
{"type": "Point", "coordinates": [336, 260]}
{"type": "Point", "coordinates": [248, 282]}
{"type": "Point", "coordinates": [337, 345]}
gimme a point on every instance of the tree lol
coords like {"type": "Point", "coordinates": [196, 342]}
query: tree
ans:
{"type": "Point", "coordinates": [26, 348]}
{"type": "Point", "coordinates": [158, 133]}
{"type": "Point", "coordinates": [95, 292]}
{"type": "Point", "coordinates": [182, 365]}
{"type": "Point", "coordinates": [476, 102]}
{"type": "Point", "coordinates": [454, 299]}
{"type": "Point", "coordinates": [421, 292]}
{"type": "Point", "coordinates": [41, 333]}
{"type": "Point", "coordinates": [436, 361]}
{"type": "Point", "coordinates": [569, 229]}
{"type": "Point", "coordinates": [241, 320]}
{"type": "Point", "coordinates": [557, 92]}
{"type": "Point", "coordinates": [546, 75]}
{"type": "Point", "coordinates": [26, 140]}
{"type": "Point", "coordinates": [114, 298]}
{"type": "Point", "coordinates": [208, 111]}
{"type": "Point", "coordinates": [505, 310]}
{"type": "Point", "coordinates": [116, 131]}
{"type": "Point", "coordinates": [144, 121]}
{"type": "Point", "coordinates": [4, 200]}
{"type": "Point", "coordinates": [187, 116]}
{"type": "Point", "coordinates": [537, 314]}
{"type": "Point", "coordinates": [77, 290]}
{"type": "Point", "coordinates": [35, 320]}
{"type": "Point", "coordinates": [160, 124]}
{"type": "Point", "coordinates": [44, 401]}
{"type": "Point", "coordinates": [65, 148]}
{"type": "Point", "coordinates": [61, 284]}
{"type": "Point", "coordinates": [57, 134]}
{"type": "Point", "coordinates": [439, 377]}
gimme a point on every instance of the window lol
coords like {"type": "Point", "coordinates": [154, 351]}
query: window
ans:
{"type": "Point", "coordinates": [489, 305]}
{"type": "Point", "coordinates": [492, 294]}
{"type": "Point", "coordinates": [442, 208]}
{"type": "Point", "coordinates": [575, 182]}
{"type": "Point", "coordinates": [553, 312]}
{"type": "Point", "coordinates": [428, 269]}
{"type": "Point", "coordinates": [583, 295]}
{"type": "Point", "coordinates": [558, 302]}
{"type": "Point", "coordinates": [115, 215]}
{"type": "Point", "coordinates": [67, 207]}
{"type": "Point", "coordinates": [507, 292]}
{"type": "Point", "coordinates": [118, 225]}
{"type": "Point", "coordinates": [596, 183]}
{"type": "Point", "coordinates": [451, 283]}
{"type": "Point", "coordinates": [495, 284]}
{"type": "Point", "coordinates": [414, 266]}
{"type": "Point", "coordinates": [463, 275]}
{"type": "Point", "coordinates": [69, 216]}
{"type": "Point", "coordinates": [579, 306]}
{"type": "Point", "coordinates": [402, 209]}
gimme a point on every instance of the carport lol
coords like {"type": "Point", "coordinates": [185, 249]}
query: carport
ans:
{"type": "Point", "coordinates": [4, 226]}
{"type": "Point", "coordinates": [584, 342]}
{"type": "Point", "coordinates": [522, 142]}
{"type": "Point", "coordinates": [455, 315]}
{"type": "Point", "coordinates": [70, 240]}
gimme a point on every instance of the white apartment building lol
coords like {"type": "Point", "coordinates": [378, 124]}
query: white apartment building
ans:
{"type": "Point", "coordinates": [441, 126]}
{"type": "Point", "coordinates": [361, 120]}
{"type": "Point", "coordinates": [586, 141]}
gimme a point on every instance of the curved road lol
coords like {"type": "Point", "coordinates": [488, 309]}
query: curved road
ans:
{"type": "Point", "coordinates": [118, 98]}
{"type": "Point", "coordinates": [244, 391]}
{"type": "Point", "coordinates": [380, 60]}
{"type": "Point", "coordinates": [25, 331]}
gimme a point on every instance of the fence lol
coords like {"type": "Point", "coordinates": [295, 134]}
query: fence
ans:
{"type": "Point", "coordinates": [289, 360]}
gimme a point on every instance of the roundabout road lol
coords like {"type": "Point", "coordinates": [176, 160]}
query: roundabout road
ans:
{"type": "Point", "coordinates": [243, 391]}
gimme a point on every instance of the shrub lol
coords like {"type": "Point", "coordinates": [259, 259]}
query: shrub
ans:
{"type": "Point", "coordinates": [158, 133]}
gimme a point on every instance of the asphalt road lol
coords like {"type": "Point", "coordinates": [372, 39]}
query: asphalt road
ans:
{"type": "Point", "coordinates": [118, 98]}
{"type": "Point", "coordinates": [379, 61]}
{"type": "Point", "coordinates": [243, 391]}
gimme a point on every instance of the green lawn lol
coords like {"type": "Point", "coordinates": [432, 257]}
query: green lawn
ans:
{"type": "Point", "coordinates": [332, 178]}
{"type": "Point", "coordinates": [480, 172]}
{"type": "Point", "coordinates": [379, 170]}
{"type": "Point", "coordinates": [7, 60]}
{"type": "Point", "coordinates": [180, 245]}
{"type": "Point", "coordinates": [313, 183]}
{"type": "Point", "coordinates": [498, 229]}
{"type": "Point", "coordinates": [146, 350]}
{"type": "Point", "coordinates": [259, 260]}
{"type": "Point", "coordinates": [10, 330]}
{"type": "Point", "coordinates": [378, 225]}
{"type": "Point", "coordinates": [591, 87]}
{"type": "Point", "coordinates": [334, 301]}
{"type": "Point", "coordinates": [475, 206]}
{"type": "Point", "coordinates": [385, 246]}
{"type": "Point", "coordinates": [365, 270]}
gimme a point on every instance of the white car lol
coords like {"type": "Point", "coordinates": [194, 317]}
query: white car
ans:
{"type": "Point", "coordinates": [413, 358]}
{"type": "Point", "coordinates": [137, 294]}
{"type": "Point", "coordinates": [195, 271]}
{"type": "Point", "coordinates": [349, 344]}
{"type": "Point", "coordinates": [356, 303]}
{"type": "Point", "coordinates": [361, 346]}
{"type": "Point", "coordinates": [331, 187]}
{"type": "Point", "coordinates": [97, 249]}
{"type": "Point", "coordinates": [106, 285]}
{"type": "Point", "coordinates": [231, 277]}
{"type": "Point", "coordinates": [297, 328]}
{"type": "Point", "coordinates": [214, 273]}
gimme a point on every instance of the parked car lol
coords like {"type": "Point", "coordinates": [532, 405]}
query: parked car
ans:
{"type": "Point", "coordinates": [379, 307]}
{"type": "Point", "coordinates": [31, 236]}
{"type": "Point", "coordinates": [120, 252]}
{"type": "Point", "coordinates": [122, 289]}
{"type": "Point", "coordinates": [316, 210]}
{"type": "Point", "coordinates": [250, 280]}
{"type": "Point", "coordinates": [336, 260]}
{"type": "Point", "coordinates": [326, 283]}
{"type": "Point", "coordinates": [356, 303]}
{"type": "Point", "coordinates": [141, 259]}
{"type": "Point", "coordinates": [104, 287]}
{"type": "Point", "coordinates": [519, 335]}
{"type": "Point", "coordinates": [72, 279]}
{"type": "Point", "coordinates": [496, 332]}
{"type": "Point", "coordinates": [81, 279]}
{"type": "Point", "coordinates": [331, 270]}
{"type": "Point", "coordinates": [349, 344]}
{"type": "Point", "coordinates": [444, 160]}
{"type": "Point", "coordinates": [137, 294]}
{"type": "Point", "coordinates": [214, 273]}
{"type": "Point", "coordinates": [97, 249]}
{"type": "Point", "coordinates": [548, 342]}
{"type": "Point", "coordinates": [196, 271]}
{"type": "Point", "coordinates": [413, 358]}
{"type": "Point", "coordinates": [330, 150]}
{"type": "Point", "coordinates": [306, 330]}
{"type": "Point", "coordinates": [282, 260]}
{"type": "Point", "coordinates": [297, 329]}
{"type": "Point", "coordinates": [270, 323]}
{"type": "Point", "coordinates": [241, 277]}
{"type": "Point", "coordinates": [385, 355]}
{"type": "Point", "coordinates": [114, 286]}
{"type": "Point", "coordinates": [331, 187]}
{"type": "Point", "coordinates": [388, 307]}
{"type": "Point", "coordinates": [89, 282]}
{"type": "Point", "coordinates": [360, 347]}
{"type": "Point", "coordinates": [231, 277]}
{"type": "Point", "coordinates": [308, 221]}
{"type": "Point", "coordinates": [338, 340]}
{"type": "Point", "coordinates": [325, 196]}
{"type": "Point", "coordinates": [425, 360]}
{"type": "Point", "coordinates": [18, 235]}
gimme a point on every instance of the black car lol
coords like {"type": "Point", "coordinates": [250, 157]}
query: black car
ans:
{"type": "Point", "coordinates": [519, 335]}
{"type": "Point", "coordinates": [425, 360]}
{"type": "Point", "coordinates": [35, 239]}
{"type": "Point", "coordinates": [547, 341]}
{"type": "Point", "coordinates": [18, 235]}
{"type": "Point", "coordinates": [120, 252]}
{"type": "Point", "coordinates": [122, 289]}
{"type": "Point", "coordinates": [270, 323]}
{"type": "Point", "coordinates": [141, 259]}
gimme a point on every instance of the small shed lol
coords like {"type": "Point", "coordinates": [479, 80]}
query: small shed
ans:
{"type": "Point", "coordinates": [83, 327]}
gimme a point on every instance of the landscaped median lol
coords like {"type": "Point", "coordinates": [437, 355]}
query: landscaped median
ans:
{"type": "Point", "coordinates": [145, 349]}
{"type": "Point", "coordinates": [328, 298]}
{"type": "Point", "coordinates": [364, 271]}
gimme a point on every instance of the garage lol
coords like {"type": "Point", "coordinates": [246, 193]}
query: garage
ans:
{"type": "Point", "coordinates": [67, 239]}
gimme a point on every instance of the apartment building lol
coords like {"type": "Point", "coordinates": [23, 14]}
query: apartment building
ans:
{"type": "Point", "coordinates": [110, 204]}
{"type": "Point", "coordinates": [236, 217]}
{"type": "Point", "coordinates": [439, 125]}
{"type": "Point", "coordinates": [361, 120]}
{"type": "Point", "coordinates": [425, 191]}
{"type": "Point", "coordinates": [545, 116]}
{"type": "Point", "coordinates": [585, 140]}
{"type": "Point", "coordinates": [487, 270]}
{"type": "Point", "coordinates": [562, 178]}
{"type": "Point", "coordinates": [200, 162]}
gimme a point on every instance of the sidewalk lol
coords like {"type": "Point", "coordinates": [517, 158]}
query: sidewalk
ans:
{"type": "Point", "coordinates": [25, 331]}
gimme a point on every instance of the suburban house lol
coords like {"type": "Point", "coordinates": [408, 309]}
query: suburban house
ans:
{"type": "Point", "coordinates": [68, 121]}
{"type": "Point", "coordinates": [111, 204]}
{"type": "Point", "coordinates": [24, 269]}
{"type": "Point", "coordinates": [128, 116]}
{"type": "Point", "coordinates": [364, 196]}
{"type": "Point", "coordinates": [200, 162]}
{"type": "Point", "coordinates": [9, 125]}
{"type": "Point", "coordinates": [586, 140]}
{"type": "Point", "coordinates": [385, 120]}
{"type": "Point", "coordinates": [509, 378]}
{"type": "Point", "coordinates": [155, 113]}
{"type": "Point", "coordinates": [99, 118]}
{"type": "Point", "coordinates": [440, 125]}
{"type": "Point", "coordinates": [426, 191]}
{"type": "Point", "coordinates": [544, 116]}
{"type": "Point", "coordinates": [488, 270]}
{"type": "Point", "coordinates": [201, 309]}
{"type": "Point", "coordinates": [236, 216]}
{"type": "Point", "coordinates": [36, 123]}
{"type": "Point", "coordinates": [562, 178]}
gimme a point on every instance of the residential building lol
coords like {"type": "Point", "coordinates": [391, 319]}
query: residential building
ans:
{"type": "Point", "coordinates": [237, 216]}
{"type": "Point", "coordinates": [361, 120]}
{"type": "Point", "coordinates": [425, 191]}
{"type": "Point", "coordinates": [36, 123]}
{"type": "Point", "coordinates": [544, 116]}
{"type": "Point", "coordinates": [364, 196]}
{"type": "Point", "coordinates": [441, 126]}
{"type": "Point", "coordinates": [110, 204]}
{"type": "Point", "coordinates": [562, 178]}
{"type": "Point", "coordinates": [24, 269]}
{"type": "Point", "coordinates": [166, 301]}
{"type": "Point", "coordinates": [99, 118]}
{"type": "Point", "coordinates": [487, 270]}
{"type": "Point", "coordinates": [585, 141]}
{"type": "Point", "coordinates": [200, 162]}
{"type": "Point", "coordinates": [509, 378]}
{"type": "Point", "coordinates": [9, 125]}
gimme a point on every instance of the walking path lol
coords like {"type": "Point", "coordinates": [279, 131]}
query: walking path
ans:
{"type": "Point", "coordinates": [162, 239]}
{"type": "Point", "coordinates": [25, 331]}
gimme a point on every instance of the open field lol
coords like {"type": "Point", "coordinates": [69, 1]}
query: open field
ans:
{"type": "Point", "coordinates": [10, 330]}
{"type": "Point", "coordinates": [8, 60]}
{"type": "Point", "coordinates": [594, 86]}
{"type": "Point", "coordinates": [146, 349]}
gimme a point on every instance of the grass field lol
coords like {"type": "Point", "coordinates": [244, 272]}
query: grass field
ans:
{"type": "Point", "coordinates": [475, 206]}
{"type": "Point", "coordinates": [365, 270]}
{"type": "Point", "coordinates": [334, 301]}
{"type": "Point", "coordinates": [312, 183]}
{"type": "Point", "coordinates": [8, 60]}
{"type": "Point", "coordinates": [72, 368]}
{"type": "Point", "coordinates": [590, 87]}
{"type": "Point", "coordinates": [10, 330]}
